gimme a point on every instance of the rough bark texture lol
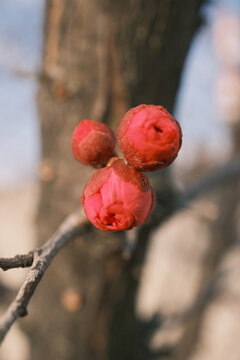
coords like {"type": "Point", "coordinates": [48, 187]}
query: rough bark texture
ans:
{"type": "Point", "coordinates": [101, 57]}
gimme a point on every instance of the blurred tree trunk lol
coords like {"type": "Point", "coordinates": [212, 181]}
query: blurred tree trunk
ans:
{"type": "Point", "coordinates": [101, 57]}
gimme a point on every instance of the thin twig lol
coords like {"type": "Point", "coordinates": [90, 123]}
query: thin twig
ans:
{"type": "Point", "coordinates": [226, 173]}
{"type": "Point", "coordinates": [73, 225]}
{"type": "Point", "coordinates": [17, 261]}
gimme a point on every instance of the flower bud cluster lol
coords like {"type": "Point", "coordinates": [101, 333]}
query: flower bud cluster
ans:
{"type": "Point", "coordinates": [119, 196]}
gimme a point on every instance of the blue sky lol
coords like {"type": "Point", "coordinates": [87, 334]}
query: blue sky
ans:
{"type": "Point", "coordinates": [21, 23]}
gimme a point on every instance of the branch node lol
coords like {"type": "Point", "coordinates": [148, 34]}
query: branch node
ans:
{"type": "Point", "coordinates": [22, 311]}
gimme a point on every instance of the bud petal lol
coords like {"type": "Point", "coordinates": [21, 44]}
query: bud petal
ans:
{"type": "Point", "coordinates": [149, 137]}
{"type": "Point", "coordinates": [118, 197]}
{"type": "Point", "coordinates": [93, 143]}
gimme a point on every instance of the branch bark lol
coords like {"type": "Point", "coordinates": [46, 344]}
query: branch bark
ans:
{"type": "Point", "coordinates": [74, 224]}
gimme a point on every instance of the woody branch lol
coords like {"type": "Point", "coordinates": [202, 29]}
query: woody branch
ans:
{"type": "Point", "coordinates": [75, 224]}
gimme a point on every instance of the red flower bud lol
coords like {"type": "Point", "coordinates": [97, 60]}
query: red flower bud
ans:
{"type": "Point", "coordinates": [149, 137]}
{"type": "Point", "coordinates": [93, 143]}
{"type": "Point", "coordinates": [117, 197]}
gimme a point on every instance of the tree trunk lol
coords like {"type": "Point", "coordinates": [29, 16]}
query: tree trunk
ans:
{"type": "Point", "coordinates": [101, 57]}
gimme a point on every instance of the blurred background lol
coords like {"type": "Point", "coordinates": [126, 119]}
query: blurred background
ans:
{"type": "Point", "coordinates": [190, 277]}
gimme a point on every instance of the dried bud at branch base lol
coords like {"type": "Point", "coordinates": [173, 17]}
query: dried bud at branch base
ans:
{"type": "Point", "coordinates": [117, 197]}
{"type": "Point", "coordinates": [93, 143]}
{"type": "Point", "coordinates": [149, 137]}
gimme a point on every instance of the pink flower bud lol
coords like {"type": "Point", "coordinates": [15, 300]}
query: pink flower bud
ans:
{"type": "Point", "coordinates": [117, 197]}
{"type": "Point", "coordinates": [93, 143]}
{"type": "Point", "coordinates": [149, 137]}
